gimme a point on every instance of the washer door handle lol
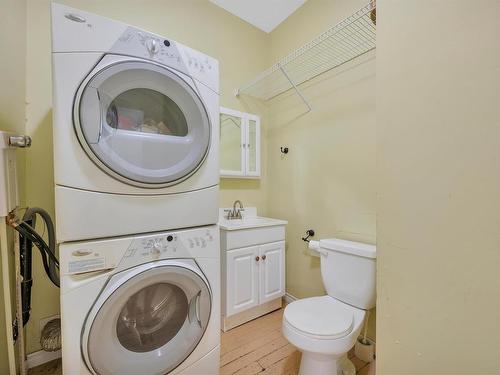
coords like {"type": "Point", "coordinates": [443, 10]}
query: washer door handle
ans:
{"type": "Point", "coordinates": [194, 309]}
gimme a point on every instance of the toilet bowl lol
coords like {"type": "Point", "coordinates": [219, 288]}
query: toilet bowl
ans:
{"type": "Point", "coordinates": [325, 328]}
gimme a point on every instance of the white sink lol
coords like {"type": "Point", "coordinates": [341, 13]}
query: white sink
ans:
{"type": "Point", "coordinates": [249, 222]}
{"type": "Point", "coordinates": [250, 230]}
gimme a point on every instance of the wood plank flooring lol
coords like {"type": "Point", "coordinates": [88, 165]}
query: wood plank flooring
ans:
{"type": "Point", "coordinates": [256, 347]}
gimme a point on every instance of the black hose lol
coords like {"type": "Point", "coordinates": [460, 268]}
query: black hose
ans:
{"type": "Point", "coordinates": [31, 214]}
{"type": "Point", "coordinates": [26, 253]}
{"type": "Point", "coordinates": [47, 251]}
{"type": "Point", "coordinates": [28, 237]}
{"type": "Point", "coordinates": [39, 241]}
{"type": "Point", "coordinates": [28, 232]}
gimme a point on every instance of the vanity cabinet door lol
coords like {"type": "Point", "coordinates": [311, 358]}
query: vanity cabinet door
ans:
{"type": "Point", "coordinates": [242, 288]}
{"type": "Point", "coordinates": [272, 271]}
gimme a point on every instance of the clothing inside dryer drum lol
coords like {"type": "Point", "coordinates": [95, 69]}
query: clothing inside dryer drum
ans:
{"type": "Point", "coordinates": [147, 111]}
{"type": "Point", "coordinates": [152, 317]}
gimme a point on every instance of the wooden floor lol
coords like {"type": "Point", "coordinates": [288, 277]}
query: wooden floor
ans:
{"type": "Point", "coordinates": [256, 347]}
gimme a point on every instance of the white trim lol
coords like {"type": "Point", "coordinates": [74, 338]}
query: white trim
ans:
{"type": "Point", "coordinates": [231, 174]}
{"type": "Point", "coordinates": [223, 175]}
{"type": "Point", "coordinates": [40, 357]}
{"type": "Point", "coordinates": [244, 171]}
{"type": "Point", "coordinates": [256, 119]}
{"type": "Point", "coordinates": [289, 298]}
{"type": "Point", "coordinates": [232, 112]}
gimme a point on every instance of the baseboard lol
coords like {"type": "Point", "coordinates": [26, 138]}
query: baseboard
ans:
{"type": "Point", "coordinates": [40, 357]}
{"type": "Point", "coordinates": [289, 298]}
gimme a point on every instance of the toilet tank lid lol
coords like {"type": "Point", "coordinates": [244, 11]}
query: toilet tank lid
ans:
{"type": "Point", "coordinates": [349, 247]}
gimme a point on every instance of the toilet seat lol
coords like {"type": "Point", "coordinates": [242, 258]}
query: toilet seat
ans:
{"type": "Point", "coordinates": [322, 318]}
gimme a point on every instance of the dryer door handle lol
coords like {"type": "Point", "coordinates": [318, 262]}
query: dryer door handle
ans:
{"type": "Point", "coordinates": [91, 108]}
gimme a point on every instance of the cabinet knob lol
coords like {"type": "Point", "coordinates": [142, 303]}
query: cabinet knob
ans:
{"type": "Point", "coordinates": [257, 258]}
{"type": "Point", "coordinates": [263, 257]}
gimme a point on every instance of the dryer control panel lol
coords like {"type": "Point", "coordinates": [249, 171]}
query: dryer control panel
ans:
{"type": "Point", "coordinates": [122, 253]}
{"type": "Point", "coordinates": [136, 42]}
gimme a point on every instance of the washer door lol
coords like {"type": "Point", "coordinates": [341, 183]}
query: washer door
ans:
{"type": "Point", "coordinates": [142, 124]}
{"type": "Point", "coordinates": [147, 320]}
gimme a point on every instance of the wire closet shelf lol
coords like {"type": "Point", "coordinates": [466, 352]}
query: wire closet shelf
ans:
{"type": "Point", "coordinates": [353, 37]}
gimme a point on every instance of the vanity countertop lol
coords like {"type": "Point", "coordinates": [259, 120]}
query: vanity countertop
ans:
{"type": "Point", "coordinates": [249, 220]}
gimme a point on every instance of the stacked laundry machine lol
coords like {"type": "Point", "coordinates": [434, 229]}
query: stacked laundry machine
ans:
{"type": "Point", "coordinates": [136, 189]}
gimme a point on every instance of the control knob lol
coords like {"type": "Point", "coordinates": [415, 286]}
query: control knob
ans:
{"type": "Point", "coordinates": [156, 249]}
{"type": "Point", "coordinates": [153, 46]}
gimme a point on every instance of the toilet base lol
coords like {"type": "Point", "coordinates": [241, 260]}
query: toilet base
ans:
{"type": "Point", "coordinates": [322, 364]}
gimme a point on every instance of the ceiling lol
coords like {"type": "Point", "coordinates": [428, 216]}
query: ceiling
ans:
{"type": "Point", "coordinates": [264, 14]}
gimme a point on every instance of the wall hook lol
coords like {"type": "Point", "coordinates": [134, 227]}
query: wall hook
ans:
{"type": "Point", "coordinates": [309, 233]}
{"type": "Point", "coordinates": [284, 150]}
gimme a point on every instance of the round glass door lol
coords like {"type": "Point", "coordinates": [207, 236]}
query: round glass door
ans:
{"type": "Point", "coordinates": [142, 124]}
{"type": "Point", "coordinates": [153, 321]}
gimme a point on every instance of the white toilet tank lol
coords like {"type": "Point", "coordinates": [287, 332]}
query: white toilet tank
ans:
{"type": "Point", "coordinates": [348, 270]}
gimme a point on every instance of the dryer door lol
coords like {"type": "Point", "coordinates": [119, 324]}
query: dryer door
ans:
{"type": "Point", "coordinates": [142, 123]}
{"type": "Point", "coordinates": [147, 320]}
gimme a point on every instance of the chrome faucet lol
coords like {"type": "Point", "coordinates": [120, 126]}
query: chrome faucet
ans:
{"type": "Point", "coordinates": [235, 213]}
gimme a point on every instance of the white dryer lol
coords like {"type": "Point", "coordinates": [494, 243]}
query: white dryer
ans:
{"type": "Point", "coordinates": [135, 129]}
{"type": "Point", "coordinates": [146, 305]}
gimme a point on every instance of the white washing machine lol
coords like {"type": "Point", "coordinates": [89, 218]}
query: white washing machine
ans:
{"type": "Point", "coordinates": [135, 129]}
{"type": "Point", "coordinates": [147, 304]}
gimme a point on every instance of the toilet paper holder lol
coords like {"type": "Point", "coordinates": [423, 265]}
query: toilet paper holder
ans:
{"type": "Point", "coordinates": [309, 233]}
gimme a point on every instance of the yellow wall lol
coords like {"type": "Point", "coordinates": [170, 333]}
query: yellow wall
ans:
{"type": "Point", "coordinates": [239, 47]}
{"type": "Point", "coordinates": [13, 76]}
{"type": "Point", "coordinates": [12, 108]}
{"type": "Point", "coordinates": [321, 157]}
{"type": "Point", "coordinates": [438, 136]}
{"type": "Point", "coordinates": [327, 180]}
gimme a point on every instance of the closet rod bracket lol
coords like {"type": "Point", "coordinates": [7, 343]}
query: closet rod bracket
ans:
{"type": "Point", "coordinates": [297, 90]}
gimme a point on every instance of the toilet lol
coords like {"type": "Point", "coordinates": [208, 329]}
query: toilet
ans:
{"type": "Point", "coordinates": [325, 328]}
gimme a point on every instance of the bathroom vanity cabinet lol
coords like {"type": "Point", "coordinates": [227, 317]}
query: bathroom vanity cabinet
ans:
{"type": "Point", "coordinates": [253, 269]}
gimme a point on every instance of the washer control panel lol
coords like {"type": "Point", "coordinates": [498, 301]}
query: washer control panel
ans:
{"type": "Point", "coordinates": [182, 244]}
{"type": "Point", "coordinates": [126, 252]}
